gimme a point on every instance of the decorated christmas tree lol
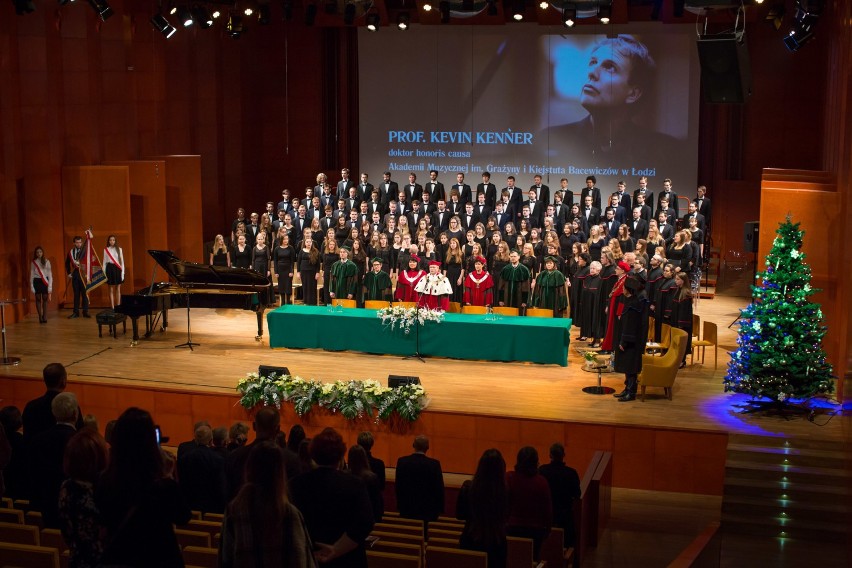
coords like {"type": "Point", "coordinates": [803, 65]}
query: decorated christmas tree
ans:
{"type": "Point", "coordinates": [779, 354]}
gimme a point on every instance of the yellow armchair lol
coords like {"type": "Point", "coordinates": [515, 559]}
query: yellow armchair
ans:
{"type": "Point", "coordinates": [661, 371]}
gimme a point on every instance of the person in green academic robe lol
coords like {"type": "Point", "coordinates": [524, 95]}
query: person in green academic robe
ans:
{"type": "Point", "coordinates": [377, 283]}
{"type": "Point", "coordinates": [514, 290]}
{"type": "Point", "coordinates": [549, 288]}
{"type": "Point", "coordinates": [344, 277]}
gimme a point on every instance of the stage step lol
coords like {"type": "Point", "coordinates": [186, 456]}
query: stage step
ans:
{"type": "Point", "coordinates": [787, 488]}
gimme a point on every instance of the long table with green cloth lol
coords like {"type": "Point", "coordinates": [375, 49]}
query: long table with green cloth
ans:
{"type": "Point", "coordinates": [459, 336]}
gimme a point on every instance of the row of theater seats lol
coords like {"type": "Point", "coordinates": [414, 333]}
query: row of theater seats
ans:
{"type": "Point", "coordinates": [396, 542]}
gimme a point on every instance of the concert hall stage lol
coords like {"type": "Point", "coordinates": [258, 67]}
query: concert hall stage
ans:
{"type": "Point", "coordinates": [678, 445]}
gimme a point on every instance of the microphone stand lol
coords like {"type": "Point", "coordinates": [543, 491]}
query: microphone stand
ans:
{"type": "Point", "coordinates": [417, 354]}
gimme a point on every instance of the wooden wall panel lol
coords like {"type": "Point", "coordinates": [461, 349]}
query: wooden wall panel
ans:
{"type": "Point", "coordinates": [97, 197]}
{"type": "Point", "coordinates": [148, 226]}
{"type": "Point", "coordinates": [184, 206]}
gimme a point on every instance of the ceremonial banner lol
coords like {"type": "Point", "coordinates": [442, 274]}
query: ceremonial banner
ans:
{"type": "Point", "coordinates": [90, 264]}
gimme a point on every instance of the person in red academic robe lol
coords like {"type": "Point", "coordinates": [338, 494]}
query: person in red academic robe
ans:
{"type": "Point", "coordinates": [434, 288]}
{"type": "Point", "coordinates": [478, 286]}
{"type": "Point", "coordinates": [407, 280]}
{"type": "Point", "coordinates": [615, 306]}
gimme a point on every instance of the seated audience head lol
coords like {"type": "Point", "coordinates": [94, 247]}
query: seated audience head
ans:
{"type": "Point", "coordinates": [366, 441]}
{"type": "Point", "coordinates": [85, 456]}
{"type": "Point", "coordinates": [64, 407]}
{"type": "Point", "coordinates": [421, 444]}
{"type": "Point", "coordinates": [557, 452]}
{"type": "Point", "coordinates": [220, 437]}
{"type": "Point", "coordinates": [91, 421]}
{"type": "Point", "coordinates": [55, 376]}
{"type": "Point", "coordinates": [527, 462]}
{"type": "Point", "coordinates": [357, 460]}
{"type": "Point", "coordinates": [267, 423]}
{"type": "Point", "coordinates": [11, 419]}
{"type": "Point", "coordinates": [135, 457]}
{"type": "Point", "coordinates": [327, 448]}
{"type": "Point", "coordinates": [238, 433]}
{"type": "Point", "coordinates": [203, 435]}
{"type": "Point", "coordinates": [294, 440]}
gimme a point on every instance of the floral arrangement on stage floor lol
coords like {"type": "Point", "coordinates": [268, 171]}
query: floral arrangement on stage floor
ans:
{"type": "Point", "coordinates": [405, 318]}
{"type": "Point", "coordinates": [353, 399]}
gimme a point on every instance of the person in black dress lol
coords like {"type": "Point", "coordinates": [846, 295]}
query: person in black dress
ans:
{"type": "Point", "coordinates": [219, 255]}
{"type": "Point", "coordinates": [483, 505]}
{"type": "Point", "coordinates": [330, 255]}
{"type": "Point", "coordinates": [241, 255]}
{"type": "Point", "coordinates": [679, 252]}
{"type": "Point", "coordinates": [260, 263]}
{"type": "Point", "coordinates": [631, 332]}
{"type": "Point", "coordinates": [283, 258]}
{"type": "Point", "coordinates": [455, 270]}
{"type": "Point", "coordinates": [679, 312]}
{"type": "Point", "coordinates": [307, 265]}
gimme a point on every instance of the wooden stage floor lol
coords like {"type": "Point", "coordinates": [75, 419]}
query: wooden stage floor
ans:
{"type": "Point", "coordinates": [228, 350]}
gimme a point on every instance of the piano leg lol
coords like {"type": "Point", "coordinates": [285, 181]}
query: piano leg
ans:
{"type": "Point", "coordinates": [135, 340]}
{"type": "Point", "coordinates": [259, 335]}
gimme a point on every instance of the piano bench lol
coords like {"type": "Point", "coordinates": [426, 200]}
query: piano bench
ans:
{"type": "Point", "coordinates": [112, 319]}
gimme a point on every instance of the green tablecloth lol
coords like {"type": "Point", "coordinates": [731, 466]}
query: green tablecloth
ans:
{"type": "Point", "coordinates": [459, 336]}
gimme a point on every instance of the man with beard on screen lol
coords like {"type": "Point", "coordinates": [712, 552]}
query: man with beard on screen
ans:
{"type": "Point", "coordinates": [620, 76]}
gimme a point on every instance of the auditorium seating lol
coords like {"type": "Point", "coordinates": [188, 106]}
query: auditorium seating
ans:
{"type": "Point", "coordinates": [192, 538]}
{"type": "Point", "coordinates": [661, 371]}
{"type": "Point", "coordinates": [12, 516]}
{"type": "Point", "coordinates": [709, 338]}
{"type": "Point", "coordinates": [28, 555]}
{"type": "Point", "coordinates": [440, 557]}
{"type": "Point", "coordinates": [378, 559]}
{"type": "Point", "coordinates": [23, 534]}
{"type": "Point", "coordinates": [454, 308]}
{"type": "Point", "coordinates": [519, 552]}
{"type": "Point", "coordinates": [201, 557]}
{"type": "Point", "coordinates": [404, 548]}
{"type": "Point", "coordinates": [344, 303]}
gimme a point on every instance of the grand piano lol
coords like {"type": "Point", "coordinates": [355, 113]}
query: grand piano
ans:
{"type": "Point", "coordinates": [193, 285]}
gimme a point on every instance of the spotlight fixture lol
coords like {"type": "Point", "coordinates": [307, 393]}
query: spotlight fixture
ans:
{"type": "Point", "coordinates": [403, 21]}
{"type": "Point", "coordinates": [427, 7]}
{"type": "Point", "coordinates": [24, 7]}
{"type": "Point", "coordinates": [162, 25]}
{"type": "Point", "coordinates": [444, 8]}
{"type": "Point", "coordinates": [216, 14]}
{"type": "Point", "coordinates": [310, 14]}
{"type": "Point", "coordinates": [543, 5]}
{"type": "Point", "coordinates": [201, 16]}
{"type": "Point", "coordinates": [235, 26]}
{"type": "Point", "coordinates": [264, 16]}
{"type": "Point", "coordinates": [604, 13]}
{"type": "Point", "coordinates": [569, 15]}
{"type": "Point", "coordinates": [807, 15]}
{"type": "Point", "coordinates": [102, 9]}
{"type": "Point", "coordinates": [373, 22]}
{"type": "Point", "coordinates": [183, 15]}
{"type": "Point", "coordinates": [518, 10]}
{"type": "Point", "coordinates": [349, 14]}
{"type": "Point", "coordinates": [248, 11]}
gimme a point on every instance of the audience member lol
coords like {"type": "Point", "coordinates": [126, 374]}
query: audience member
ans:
{"type": "Point", "coordinates": [261, 527]}
{"type": "Point", "coordinates": [47, 451]}
{"type": "Point", "coordinates": [5, 457]}
{"type": "Point", "coordinates": [335, 505]}
{"type": "Point", "coordinates": [530, 513]}
{"type": "Point", "coordinates": [139, 505]}
{"type": "Point", "coordinates": [85, 460]}
{"type": "Point", "coordinates": [295, 437]}
{"type": "Point", "coordinates": [201, 474]}
{"type": "Point", "coordinates": [366, 441]}
{"type": "Point", "coordinates": [220, 441]}
{"type": "Point", "coordinates": [483, 505]}
{"type": "Point", "coordinates": [15, 474]}
{"type": "Point", "coordinates": [237, 436]}
{"type": "Point", "coordinates": [419, 484]}
{"type": "Point", "coordinates": [188, 446]}
{"type": "Point", "coordinates": [564, 483]}
{"type": "Point", "coordinates": [38, 416]}
{"type": "Point", "coordinates": [359, 466]}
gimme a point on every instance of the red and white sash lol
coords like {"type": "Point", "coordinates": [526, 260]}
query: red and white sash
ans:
{"type": "Point", "coordinates": [112, 259]}
{"type": "Point", "coordinates": [40, 273]}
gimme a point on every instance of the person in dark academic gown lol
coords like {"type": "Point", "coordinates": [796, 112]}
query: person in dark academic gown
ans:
{"type": "Point", "coordinates": [662, 297]}
{"type": "Point", "coordinates": [344, 277]}
{"type": "Point", "coordinates": [679, 310]}
{"type": "Point", "coordinates": [631, 331]}
{"type": "Point", "coordinates": [377, 283]}
{"type": "Point", "coordinates": [434, 288]}
{"type": "Point", "coordinates": [514, 288]}
{"type": "Point", "coordinates": [478, 285]}
{"type": "Point", "coordinates": [577, 280]}
{"type": "Point", "coordinates": [549, 288]}
{"type": "Point", "coordinates": [407, 280]}
{"type": "Point", "coordinates": [590, 303]}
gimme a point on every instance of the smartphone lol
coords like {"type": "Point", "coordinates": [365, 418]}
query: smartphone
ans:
{"type": "Point", "coordinates": [157, 434]}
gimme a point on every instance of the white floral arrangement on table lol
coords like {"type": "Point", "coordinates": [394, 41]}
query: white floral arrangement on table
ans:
{"type": "Point", "coordinates": [353, 399]}
{"type": "Point", "coordinates": [404, 318]}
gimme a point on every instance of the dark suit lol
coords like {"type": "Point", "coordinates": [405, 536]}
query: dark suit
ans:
{"type": "Point", "coordinates": [455, 207]}
{"type": "Point", "coordinates": [542, 193]}
{"type": "Point", "coordinates": [704, 208]}
{"type": "Point", "coordinates": [564, 483]}
{"type": "Point", "coordinates": [327, 223]}
{"type": "Point", "coordinates": [352, 203]}
{"type": "Point", "coordinates": [483, 212]}
{"type": "Point", "coordinates": [46, 451]}
{"type": "Point", "coordinates": [645, 213]}
{"type": "Point", "coordinates": [702, 222]}
{"type": "Point", "coordinates": [596, 197]}
{"type": "Point", "coordinates": [419, 487]}
{"type": "Point", "coordinates": [638, 228]}
{"type": "Point", "coordinates": [428, 208]}
{"type": "Point", "coordinates": [38, 417]}
{"type": "Point", "coordinates": [649, 197]}
{"type": "Point", "coordinates": [667, 232]}
{"type": "Point", "coordinates": [672, 201]}
{"type": "Point", "coordinates": [611, 228]}
{"type": "Point", "coordinates": [441, 220]}
{"type": "Point", "coordinates": [625, 201]}
{"type": "Point", "coordinates": [436, 191]}
{"type": "Point", "coordinates": [373, 206]}
{"type": "Point", "coordinates": [468, 222]}
{"type": "Point", "coordinates": [516, 200]}
{"type": "Point", "coordinates": [464, 194]}
{"type": "Point", "coordinates": [621, 214]}
{"type": "Point", "coordinates": [591, 217]}
{"type": "Point", "coordinates": [389, 215]}
{"type": "Point", "coordinates": [365, 191]}
{"type": "Point", "coordinates": [502, 219]}
{"type": "Point", "coordinates": [414, 218]}
{"type": "Point", "coordinates": [343, 186]}
{"type": "Point", "coordinates": [201, 471]}
{"type": "Point", "coordinates": [537, 211]}
{"type": "Point", "coordinates": [328, 199]}
{"type": "Point", "coordinates": [560, 214]}
{"type": "Point", "coordinates": [671, 215]}
{"type": "Point", "coordinates": [490, 191]}
{"type": "Point", "coordinates": [413, 191]}
{"type": "Point", "coordinates": [388, 191]}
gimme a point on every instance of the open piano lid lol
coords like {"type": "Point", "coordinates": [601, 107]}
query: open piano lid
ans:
{"type": "Point", "coordinates": [194, 275]}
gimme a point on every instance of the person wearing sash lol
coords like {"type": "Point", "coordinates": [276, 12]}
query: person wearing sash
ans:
{"type": "Point", "coordinates": [407, 280]}
{"type": "Point", "coordinates": [114, 269]}
{"type": "Point", "coordinates": [41, 282]}
{"type": "Point", "coordinates": [549, 288]}
{"type": "Point", "coordinates": [377, 282]}
{"type": "Point", "coordinates": [514, 290]}
{"type": "Point", "coordinates": [434, 288]}
{"type": "Point", "coordinates": [343, 277]}
{"type": "Point", "coordinates": [479, 285]}
{"type": "Point", "coordinates": [72, 269]}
